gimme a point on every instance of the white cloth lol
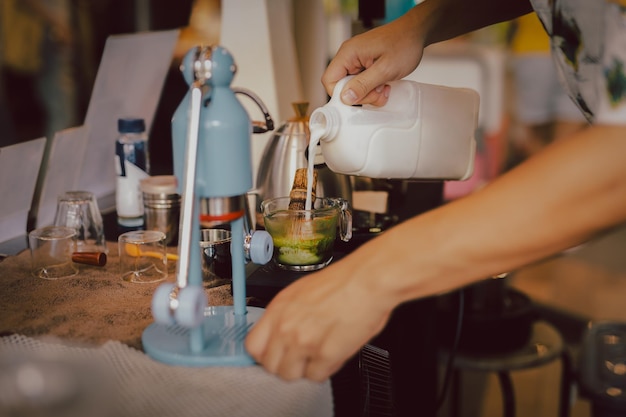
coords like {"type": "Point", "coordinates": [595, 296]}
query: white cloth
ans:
{"type": "Point", "coordinates": [116, 380]}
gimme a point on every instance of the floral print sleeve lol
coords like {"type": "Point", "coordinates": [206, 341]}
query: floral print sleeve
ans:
{"type": "Point", "coordinates": [589, 47]}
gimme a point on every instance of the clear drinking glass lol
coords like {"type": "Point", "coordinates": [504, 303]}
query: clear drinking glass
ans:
{"type": "Point", "coordinates": [143, 256]}
{"type": "Point", "coordinates": [51, 249]}
{"type": "Point", "coordinates": [79, 211]}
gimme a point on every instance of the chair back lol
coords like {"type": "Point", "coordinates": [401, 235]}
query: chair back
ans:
{"type": "Point", "coordinates": [602, 371]}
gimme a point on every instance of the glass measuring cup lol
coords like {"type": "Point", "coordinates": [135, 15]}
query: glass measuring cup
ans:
{"type": "Point", "coordinates": [304, 239]}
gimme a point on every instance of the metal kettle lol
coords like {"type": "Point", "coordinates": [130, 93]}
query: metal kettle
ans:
{"type": "Point", "coordinates": [286, 151]}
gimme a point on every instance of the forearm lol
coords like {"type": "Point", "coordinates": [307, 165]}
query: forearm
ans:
{"type": "Point", "coordinates": [392, 51]}
{"type": "Point", "coordinates": [446, 19]}
{"type": "Point", "coordinates": [558, 199]}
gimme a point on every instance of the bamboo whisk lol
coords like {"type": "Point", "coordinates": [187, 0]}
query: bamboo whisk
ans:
{"type": "Point", "coordinates": [302, 224]}
{"type": "Point", "coordinates": [297, 195]}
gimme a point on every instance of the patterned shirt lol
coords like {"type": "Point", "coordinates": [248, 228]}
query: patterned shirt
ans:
{"type": "Point", "coordinates": [589, 47]}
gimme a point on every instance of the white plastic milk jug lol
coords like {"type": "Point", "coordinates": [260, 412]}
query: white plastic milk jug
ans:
{"type": "Point", "coordinates": [423, 132]}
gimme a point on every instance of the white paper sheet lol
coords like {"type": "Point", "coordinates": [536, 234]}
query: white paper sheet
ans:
{"type": "Point", "coordinates": [63, 170]}
{"type": "Point", "coordinates": [19, 168]}
{"type": "Point", "coordinates": [128, 84]}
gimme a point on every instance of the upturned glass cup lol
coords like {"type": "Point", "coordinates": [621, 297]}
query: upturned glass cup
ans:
{"type": "Point", "coordinates": [79, 211]}
{"type": "Point", "coordinates": [304, 239]}
{"type": "Point", "coordinates": [143, 256]}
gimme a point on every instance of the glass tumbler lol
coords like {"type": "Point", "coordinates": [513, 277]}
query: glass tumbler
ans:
{"type": "Point", "coordinates": [79, 211]}
{"type": "Point", "coordinates": [143, 256]}
{"type": "Point", "coordinates": [51, 249]}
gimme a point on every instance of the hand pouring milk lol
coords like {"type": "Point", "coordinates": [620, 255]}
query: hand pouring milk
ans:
{"type": "Point", "coordinates": [423, 132]}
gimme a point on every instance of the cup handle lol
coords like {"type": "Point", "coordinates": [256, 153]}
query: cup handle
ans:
{"type": "Point", "coordinates": [345, 221]}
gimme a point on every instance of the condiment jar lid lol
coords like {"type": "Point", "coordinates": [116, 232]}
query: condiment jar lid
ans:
{"type": "Point", "coordinates": [131, 125]}
{"type": "Point", "coordinates": [159, 184]}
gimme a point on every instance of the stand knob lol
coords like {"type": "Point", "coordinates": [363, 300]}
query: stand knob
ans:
{"type": "Point", "coordinates": [184, 307]}
{"type": "Point", "coordinates": [261, 247]}
{"type": "Point", "coordinates": [191, 304]}
{"type": "Point", "coordinates": [162, 309]}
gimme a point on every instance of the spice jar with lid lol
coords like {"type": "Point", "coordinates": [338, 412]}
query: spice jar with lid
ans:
{"type": "Point", "coordinates": [161, 206]}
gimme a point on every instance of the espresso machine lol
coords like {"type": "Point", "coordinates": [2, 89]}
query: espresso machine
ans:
{"type": "Point", "coordinates": [211, 133]}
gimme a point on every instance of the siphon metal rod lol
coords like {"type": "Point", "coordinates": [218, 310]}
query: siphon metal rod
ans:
{"type": "Point", "coordinates": [189, 182]}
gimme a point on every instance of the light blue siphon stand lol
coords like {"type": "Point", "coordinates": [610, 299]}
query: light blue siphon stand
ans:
{"type": "Point", "coordinates": [211, 133]}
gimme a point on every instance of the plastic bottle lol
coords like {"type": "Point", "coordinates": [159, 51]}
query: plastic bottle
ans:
{"type": "Point", "coordinates": [423, 132]}
{"type": "Point", "coordinates": [132, 164]}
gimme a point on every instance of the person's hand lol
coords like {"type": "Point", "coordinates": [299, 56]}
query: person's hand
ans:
{"type": "Point", "coordinates": [383, 54]}
{"type": "Point", "coordinates": [317, 323]}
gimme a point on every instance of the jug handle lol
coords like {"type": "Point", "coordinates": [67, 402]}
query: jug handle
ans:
{"type": "Point", "coordinates": [257, 127]}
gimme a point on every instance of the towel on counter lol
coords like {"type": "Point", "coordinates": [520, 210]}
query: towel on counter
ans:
{"type": "Point", "coordinates": [117, 380]}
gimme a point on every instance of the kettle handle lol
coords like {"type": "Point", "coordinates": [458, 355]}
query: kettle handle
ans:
{"type": "Point", "coordinates": [257, 127]}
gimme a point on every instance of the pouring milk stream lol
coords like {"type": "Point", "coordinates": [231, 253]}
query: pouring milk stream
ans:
{"type": "Point", "coordinates": [313, 142]}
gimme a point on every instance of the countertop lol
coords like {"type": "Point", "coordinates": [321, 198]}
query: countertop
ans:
{"type": "Point", "coordinates": [97, 316]}
{"type": "Point", "coordinates": [585, 283]}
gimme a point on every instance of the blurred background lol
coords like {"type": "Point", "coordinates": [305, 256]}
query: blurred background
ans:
{"type": "Point", "coordinates": [50, 51]}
